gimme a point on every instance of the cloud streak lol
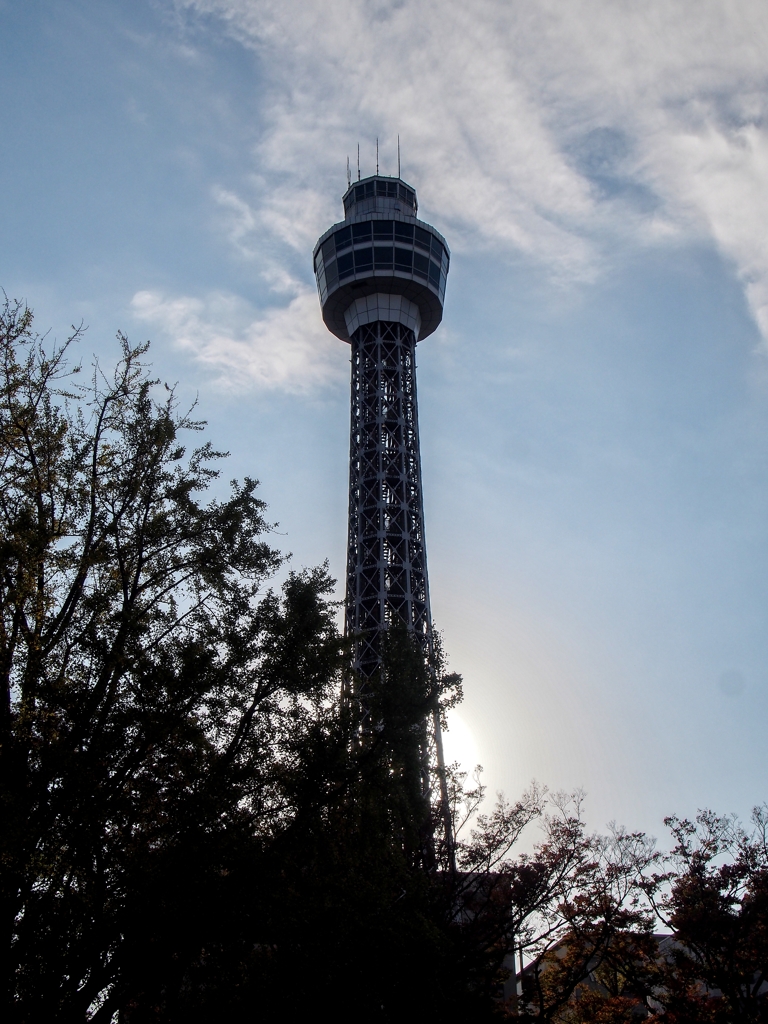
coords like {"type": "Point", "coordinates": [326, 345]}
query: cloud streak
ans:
{"type": "Point", "coordinates": [285, 349]}
{"type": "Point", "coordinates": [505, 109]}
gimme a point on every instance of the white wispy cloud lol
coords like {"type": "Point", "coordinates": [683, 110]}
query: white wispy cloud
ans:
{"type": "Point", "coordinates": [240, 219]}
{"type": "Point", "coordinates": [720, 174]}
{"type": "Point", "coordinates": [285, 348]}
{"type": "Point", "coordinates": [547, 128]}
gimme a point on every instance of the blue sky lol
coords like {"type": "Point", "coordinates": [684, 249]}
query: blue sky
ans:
{"type": "Point", "coordinates": [593, 408]}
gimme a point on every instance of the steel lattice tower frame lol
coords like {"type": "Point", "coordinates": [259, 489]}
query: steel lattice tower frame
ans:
{"type": "Point", "coordinates": [386, 557]}
{"type": "Point", "coordinates": [381, 276]}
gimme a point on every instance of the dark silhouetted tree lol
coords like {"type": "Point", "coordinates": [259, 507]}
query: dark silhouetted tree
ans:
{"type": "Point", "coordinates": [153, 694]}
{"type": "Point", "coordinates": [714, 899]}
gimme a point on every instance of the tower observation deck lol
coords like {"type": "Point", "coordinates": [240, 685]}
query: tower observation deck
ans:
{"type": "Point", "coordinates": [381, 276]}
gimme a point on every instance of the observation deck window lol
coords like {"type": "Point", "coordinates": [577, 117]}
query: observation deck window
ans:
{"type": "Point", "coordinates": [423, 239]}
{"type": "Point", "coordinates": [420, 264]}
{"type": "Point", "coordinates": [382, 230]}
{"type": "Point", "coordinates": [343, 239]}
{"type": "Point", "coordinates": [338, 259]}
{"type": "Point", "coordinates": [381, 189]}
{"type": "Point", "coordinates": [361, 232]}
{"type": "Point", "coordinates": [363, 260]}
{"type": "Point", "coordinates": [403, 259]}
{"type": "Point", "coordinates": [345, 264]}
{"type": "Point", "coordinates": [366, 191]}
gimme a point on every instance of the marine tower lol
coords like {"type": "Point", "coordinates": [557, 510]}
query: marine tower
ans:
{"type": "Point", "coordinates": [381, 276]}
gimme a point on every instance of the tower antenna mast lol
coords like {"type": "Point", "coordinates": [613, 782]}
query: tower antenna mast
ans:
{"type": "Point", "coordinates": [398, 156]}
{"type": "Point", "coordinates": [358, 161]}
{"type": "Point", "coordinates": [377, 154]}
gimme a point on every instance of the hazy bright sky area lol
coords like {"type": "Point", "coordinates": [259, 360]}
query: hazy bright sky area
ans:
{"type": "Point", "coordinates": [594, 408]}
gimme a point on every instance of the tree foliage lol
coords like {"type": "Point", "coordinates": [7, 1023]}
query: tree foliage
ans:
{"type": "Point", "coordinates": [714, 899]}
{"type": "Point", "coordinates": [153, 694]}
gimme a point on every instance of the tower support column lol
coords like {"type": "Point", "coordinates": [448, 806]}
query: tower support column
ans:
{"type": "Point", "coordinates": [386, 559]}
